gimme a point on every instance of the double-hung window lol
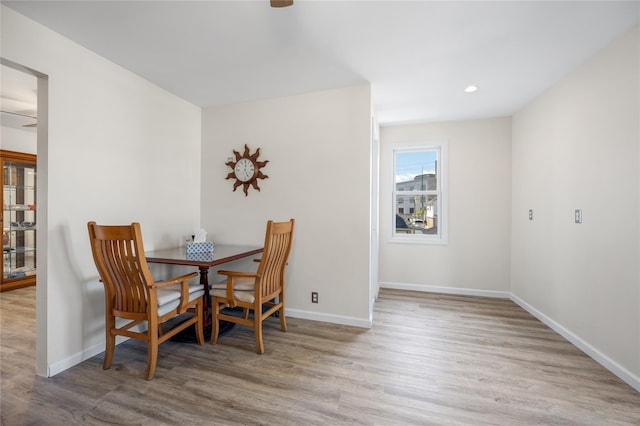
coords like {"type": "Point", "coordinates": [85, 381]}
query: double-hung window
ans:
{"type": "Point", "coordinates": [420, 193]}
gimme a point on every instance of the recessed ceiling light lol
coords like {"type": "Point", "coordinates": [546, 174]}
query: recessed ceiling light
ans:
{"type": "Point", "coordinates": [470, 88]}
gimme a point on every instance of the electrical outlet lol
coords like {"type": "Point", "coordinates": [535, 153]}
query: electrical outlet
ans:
{"type": "Point", "coordinates": [314, 297]}
{"type": "Point", "coordinates": [531, 214]}
{"type": "Point", "coordinates": [578, 216]}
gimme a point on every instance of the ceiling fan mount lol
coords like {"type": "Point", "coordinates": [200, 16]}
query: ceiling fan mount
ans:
{"type": "Point", "coordinates": [281, 3]}
{"type": "Point", "coordinates": [19, 114]}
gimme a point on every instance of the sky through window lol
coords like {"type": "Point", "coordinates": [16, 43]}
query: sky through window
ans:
{"type": "Point", "coordinates": [410, 164]}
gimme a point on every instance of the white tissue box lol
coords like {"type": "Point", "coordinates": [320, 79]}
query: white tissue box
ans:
{"type": "Point", "coordinates": [197, 248]}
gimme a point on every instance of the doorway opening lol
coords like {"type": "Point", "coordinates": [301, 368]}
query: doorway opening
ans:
{"type": "Point", "coordinates": [24, 125]}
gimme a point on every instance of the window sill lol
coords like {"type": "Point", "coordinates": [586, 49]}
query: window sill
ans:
{"type": "Point", "coordinates": [418, 239]}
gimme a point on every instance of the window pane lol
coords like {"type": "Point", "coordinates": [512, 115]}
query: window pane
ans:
{"type": "Point", "coordinates": [431, 215]}
{"type": "Point", "coordinates": [401, 224]}
{"type": "Point", "coordinates": [422, 217]}
{"type": "Point", "coordinates": [416, 171]}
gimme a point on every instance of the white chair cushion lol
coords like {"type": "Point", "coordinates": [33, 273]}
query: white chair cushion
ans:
{"type": "Point", "coordinates": [166, 296]}
{"type": "Point", "coordinates": [168, 307]}
{"type": "Point", "coordinates": [193, 287]}
{"type": "Point", "coordinates": [240, 283]}
{"type": "Point", "coordinates": [244, 296]}
{"type": "Point", "coordinates": [169, 297]}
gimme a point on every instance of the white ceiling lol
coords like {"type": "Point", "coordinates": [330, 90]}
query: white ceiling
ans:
{"type": "Point", "coordinates": [418, 56]}
{"type": "Point", "coordinates": [18, 99]}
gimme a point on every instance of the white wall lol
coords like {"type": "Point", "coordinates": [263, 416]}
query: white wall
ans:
{"type": "Point", "coordinates": [119, 150]}
{"type": "Point", "coordinates": [318, 147]}
{"type": "Point", "coordinates": [18, 140]}
{"type": "Point", "coordinates": [477, 256]}
{"type": "Point", "coordinates": [577, 147]}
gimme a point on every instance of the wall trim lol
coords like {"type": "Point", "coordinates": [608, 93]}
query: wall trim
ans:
{"type": "Point", "coordinates": [334, 319]}
{"type": "Point", "coordinates": [624, 374]}
{"type": "Point", "coordinates": [447, 290]}
{"type": "Point", "coordinates": [77, 358]}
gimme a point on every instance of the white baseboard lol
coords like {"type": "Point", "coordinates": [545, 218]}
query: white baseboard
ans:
{"type": "Point", "coordinates": [605, 361]}
{"type": "Point", "coordinates": [79, 357]}
{"type": "Point", "coordinates": [446, 290]}
{"type": "Point", "coordinates": [334, 319]}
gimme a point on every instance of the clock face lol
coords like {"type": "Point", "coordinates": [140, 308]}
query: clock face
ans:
{"type": "Point", "coordinates": [244, 169]}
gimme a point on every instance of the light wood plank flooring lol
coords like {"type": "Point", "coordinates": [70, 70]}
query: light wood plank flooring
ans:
{"type": "Point", "coordinates": [430, 359]}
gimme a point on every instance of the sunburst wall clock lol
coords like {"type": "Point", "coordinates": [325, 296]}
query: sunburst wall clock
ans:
{"type": "Point", "coordinates": [246, 170]}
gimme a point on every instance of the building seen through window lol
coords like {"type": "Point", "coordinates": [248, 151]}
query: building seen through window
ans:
{"type": "Point", "coordinates": [419, 212]}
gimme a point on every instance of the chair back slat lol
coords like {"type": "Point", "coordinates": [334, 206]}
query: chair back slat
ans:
{"type": "Point", "coordinates": [277, 247]}
{"type": "Point", "coordinates": [119, 256]}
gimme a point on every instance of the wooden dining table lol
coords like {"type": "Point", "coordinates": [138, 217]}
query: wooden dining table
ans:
{"type": "Point", "coordinates": [222, 253]}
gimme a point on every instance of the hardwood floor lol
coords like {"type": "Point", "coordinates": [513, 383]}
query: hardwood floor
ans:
{"type": "Point", "coordinates": [429, 359]}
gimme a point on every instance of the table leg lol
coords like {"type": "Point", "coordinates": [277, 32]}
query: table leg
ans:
{"type": "Point", "coordinates": [224, 326]}
{"type": "Point", "coordinates": [206, 308]}
{"type": "Point", "coordinates": [188, 334]}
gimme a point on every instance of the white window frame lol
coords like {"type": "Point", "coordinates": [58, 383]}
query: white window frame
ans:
{"type": "Point", "coordinates": [442, 192]}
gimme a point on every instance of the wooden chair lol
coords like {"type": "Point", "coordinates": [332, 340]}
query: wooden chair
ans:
{"type": "Point", "coordinates": [253, 291]}
{"type": "Point", "coordinates": [131, 294]}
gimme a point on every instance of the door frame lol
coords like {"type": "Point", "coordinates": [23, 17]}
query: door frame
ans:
{"type": "Point", "coordinates": [41, 212]}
